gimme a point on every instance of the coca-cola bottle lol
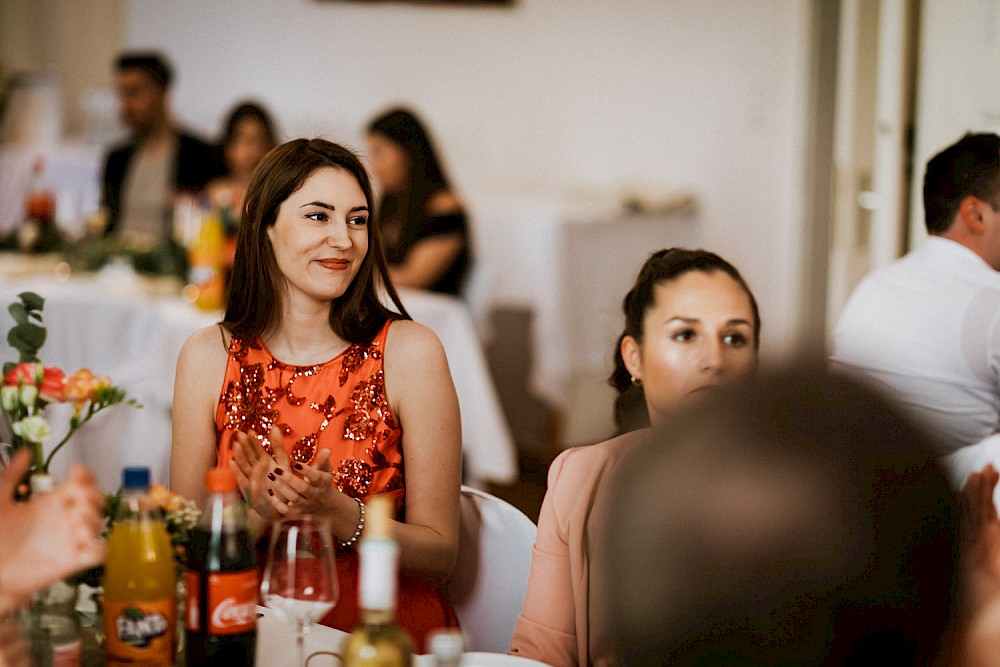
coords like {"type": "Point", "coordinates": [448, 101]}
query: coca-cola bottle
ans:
{"type": "Point", "coordinates": [220, 610]}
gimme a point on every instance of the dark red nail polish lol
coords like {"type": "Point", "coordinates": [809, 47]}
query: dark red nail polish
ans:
{"type": "Point", "coordinates": [271, 476]}
{"type": "Point", "coordinates": [279, 471]}
{"type": "Point", "coordinates": [297, 466]}
{"type": "Point", "coordinates": [270, 492]}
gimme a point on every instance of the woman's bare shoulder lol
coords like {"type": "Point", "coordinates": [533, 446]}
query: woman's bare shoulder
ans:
{"type": "Point", "coordinates": [407, 339]}
{"type": "Point", "coordinates": [207, 346]}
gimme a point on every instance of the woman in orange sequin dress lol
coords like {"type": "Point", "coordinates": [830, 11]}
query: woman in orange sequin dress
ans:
{"type": "Point", "coordinates": [316, 393]}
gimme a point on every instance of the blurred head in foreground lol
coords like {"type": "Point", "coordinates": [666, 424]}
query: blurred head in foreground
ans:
{"type": "Point", "coordinates": [792, 519]}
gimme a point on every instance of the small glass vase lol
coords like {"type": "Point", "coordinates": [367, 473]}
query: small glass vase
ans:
{"type": "Point", "coordinates": [61, 596]}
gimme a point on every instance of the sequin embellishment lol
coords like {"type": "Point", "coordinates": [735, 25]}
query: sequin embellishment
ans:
{"type": "Point", "coordinates": [354, 419]}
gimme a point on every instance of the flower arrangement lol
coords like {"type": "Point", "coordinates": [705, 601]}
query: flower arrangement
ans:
{"type": "Point", "coordinates": [180, 515]}
{"type": "Point", "coordinates": [29, 387]}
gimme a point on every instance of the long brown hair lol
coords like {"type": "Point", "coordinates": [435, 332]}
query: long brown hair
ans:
{"type": "Point", "coordinates": [255, 292]}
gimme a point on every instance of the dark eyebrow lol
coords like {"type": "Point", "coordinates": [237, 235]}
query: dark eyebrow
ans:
{"type": "Point", "coordinates": [331, 207]}
{"type": "Point", "coordinates": [695, 320]}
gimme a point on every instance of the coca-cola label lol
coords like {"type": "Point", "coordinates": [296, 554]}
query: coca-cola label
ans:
{"type": "Point", "coordinates": [232, 602]}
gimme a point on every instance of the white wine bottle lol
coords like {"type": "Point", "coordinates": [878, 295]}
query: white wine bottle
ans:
{"type": "Point", "coordinates": [378, 641]}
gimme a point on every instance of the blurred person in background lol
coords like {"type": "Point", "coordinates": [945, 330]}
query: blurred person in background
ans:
{"type": "Point", "coordinates": [249, 135]}
{"type": "Point", "coordinates": [142, 176]}
{"type": "Point", "coordinates": [422, 220]}
{"type": "Point", "coordinates": [797, 518]}
{"type": "Point", "coordinates": [691, 327]}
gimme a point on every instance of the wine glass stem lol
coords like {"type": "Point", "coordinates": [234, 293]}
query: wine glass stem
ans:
{"type": "Point", "coordinates": [300, 639]}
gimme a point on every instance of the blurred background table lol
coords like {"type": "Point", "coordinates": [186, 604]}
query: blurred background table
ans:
{"type": "Point", "coordinates": [132, 329]}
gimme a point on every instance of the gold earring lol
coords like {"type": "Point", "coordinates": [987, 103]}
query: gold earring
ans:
{"type": "Point", "coordinates": [636, 381]}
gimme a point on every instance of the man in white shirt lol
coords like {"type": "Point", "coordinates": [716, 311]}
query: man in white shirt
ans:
{"type": "Point", "coordinates": [927, 327]}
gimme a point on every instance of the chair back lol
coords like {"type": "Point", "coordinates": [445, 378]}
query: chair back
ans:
{"type": "Point", "coordinates": [477, 292]}
{"type": "Point", "coordinates": [491, 575]}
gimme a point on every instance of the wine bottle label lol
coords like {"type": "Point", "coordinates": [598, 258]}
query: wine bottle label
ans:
{"type": "Point", "coordinates": [379, 559]}
{"type": "Point", "coordinates": [232, 602]}
{"type": "Point", "coordinates": [140, 631]}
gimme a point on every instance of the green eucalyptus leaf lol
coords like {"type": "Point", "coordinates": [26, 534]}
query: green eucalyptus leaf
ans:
{"type": "Point", "coordinates": [26, 339]}
{"type": "Point", "coordinates": [31, 300]}
{"type": "Point", "coordinates": [18, 312]}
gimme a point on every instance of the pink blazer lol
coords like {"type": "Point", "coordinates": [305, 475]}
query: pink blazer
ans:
{"type": "Point", "coordinates": [556, 625]}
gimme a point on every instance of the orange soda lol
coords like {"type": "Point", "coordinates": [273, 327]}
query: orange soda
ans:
{"type": "Point", "coordinates": [140, 580]}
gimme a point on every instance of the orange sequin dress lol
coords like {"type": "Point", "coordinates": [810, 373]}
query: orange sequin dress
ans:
{"type": "Point", "coordinates": [338, 405]}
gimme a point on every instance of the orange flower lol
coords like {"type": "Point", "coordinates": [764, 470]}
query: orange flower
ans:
{"type": "Point", "coordinates": [158, 495]}
{"type": "Point", "coordinates": [164, 498]}
{"type": "Point", "coordinates": [50, 386]}
{"type": "Point", "coordinates": [80, 387]}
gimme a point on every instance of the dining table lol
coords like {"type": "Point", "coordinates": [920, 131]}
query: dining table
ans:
{"type": "Point", "coordinates": [131, 328]}
{"type": "Point", "coordinates": [276, 645]}
{"type": "Point", "coordinates": [323, 646]}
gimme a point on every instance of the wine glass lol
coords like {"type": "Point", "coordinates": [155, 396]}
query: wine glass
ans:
{"type": "Point", "coordinates": [300, 579]}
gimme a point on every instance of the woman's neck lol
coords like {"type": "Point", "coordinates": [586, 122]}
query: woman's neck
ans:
{"type": "Point", "coordinates": [303, 335]}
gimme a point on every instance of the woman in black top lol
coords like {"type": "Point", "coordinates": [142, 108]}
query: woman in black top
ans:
{"type": "Point", "coordinates": [423, 222]}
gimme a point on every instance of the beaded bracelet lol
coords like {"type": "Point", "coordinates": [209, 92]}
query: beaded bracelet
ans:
{"type": "Point", "coordinates": [361, 525]}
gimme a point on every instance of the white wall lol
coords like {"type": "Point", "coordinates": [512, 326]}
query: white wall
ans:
{"type": "Point", "coordinates": [957, 88]}
{"type": "Point", "coordinates": [74, 40]}
{"type": "Point", "coordinates": [549, 99]}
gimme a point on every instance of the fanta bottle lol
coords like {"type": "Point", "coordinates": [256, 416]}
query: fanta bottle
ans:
{"type": "Point", "coordinates": [207, 263]}
{"type": "Point", "coordinates": [220, 610]}
{"type": "Point", "coordinates": [140, 580]}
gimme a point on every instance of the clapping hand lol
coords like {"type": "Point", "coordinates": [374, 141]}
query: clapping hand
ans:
{"type": "Point", "coordinates": [277, 486]}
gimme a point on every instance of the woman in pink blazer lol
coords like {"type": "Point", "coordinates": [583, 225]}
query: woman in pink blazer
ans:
{"type": "Point", "coordinates": [691, 324]}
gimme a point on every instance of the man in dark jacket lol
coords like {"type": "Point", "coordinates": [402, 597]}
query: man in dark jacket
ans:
{"type": "Point", "coordinates": [142, 177]}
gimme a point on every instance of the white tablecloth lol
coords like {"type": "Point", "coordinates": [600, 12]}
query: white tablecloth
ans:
{"type": "Point", "coordinates": [108, 324]}
{"type": "Point", "coordinates": [276, 647]}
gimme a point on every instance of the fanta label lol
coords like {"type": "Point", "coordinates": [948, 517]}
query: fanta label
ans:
{"type": "Point", "coordinates": [140, 631]}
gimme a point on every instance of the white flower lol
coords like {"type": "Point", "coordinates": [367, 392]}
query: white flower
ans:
{"type": "Point", "coordinates": [28, 395]}
{"type": "Point", "coordinates": [9, 399]}
{"type": "Point", "coordinates": [33, 429]}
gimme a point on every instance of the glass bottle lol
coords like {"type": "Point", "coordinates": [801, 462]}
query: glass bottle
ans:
{"type": "Point", "coordinates": [140, 580]}
{"type": "Point", "coordinates": [220, 617]}
{"type": "Point", "coordinates": [377, 640]}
